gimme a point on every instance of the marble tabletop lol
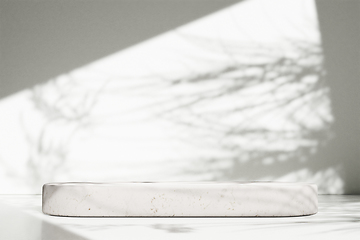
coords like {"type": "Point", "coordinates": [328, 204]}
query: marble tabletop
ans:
{"type": "Point", "coordinates": [21, 218]}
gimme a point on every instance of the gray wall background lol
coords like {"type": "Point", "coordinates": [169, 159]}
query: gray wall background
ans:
{"type": "Point", "coordinates": [340, 31]}
{"type": "Point", "coordinates": [42, 39]}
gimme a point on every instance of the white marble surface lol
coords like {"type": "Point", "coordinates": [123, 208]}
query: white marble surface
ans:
{"type": "Point", "coordinates": [175, 199]}
{"type": "Point", "coordinates": [21, 218]}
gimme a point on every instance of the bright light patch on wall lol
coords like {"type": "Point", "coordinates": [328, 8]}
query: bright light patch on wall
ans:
{"type": "Point", "coordinates": [237, 95]}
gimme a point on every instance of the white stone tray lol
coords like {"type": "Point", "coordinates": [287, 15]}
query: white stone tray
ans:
{"type": "Point", "coordinates": [180, 199]}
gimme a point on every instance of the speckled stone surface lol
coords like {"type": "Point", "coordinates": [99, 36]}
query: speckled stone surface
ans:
{"type": "Point", "coordinates": [176, 199]}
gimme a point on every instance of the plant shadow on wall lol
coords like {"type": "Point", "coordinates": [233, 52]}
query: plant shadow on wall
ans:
{"type": "Point", "coordinates": [267, 114]}
{"type": "Point", "coordinates": [270, 118]}
{"type": "Point", "coordinates": [64, 112]}
{"type": "Point", "coordinates": [255, 111]}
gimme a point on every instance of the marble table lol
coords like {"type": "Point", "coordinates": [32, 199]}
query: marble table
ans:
{"type": "Point", "coordinates": [21, 217]}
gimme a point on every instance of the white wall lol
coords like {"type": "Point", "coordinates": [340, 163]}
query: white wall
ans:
{"type": "Point", "coordinates": [241, 94]}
